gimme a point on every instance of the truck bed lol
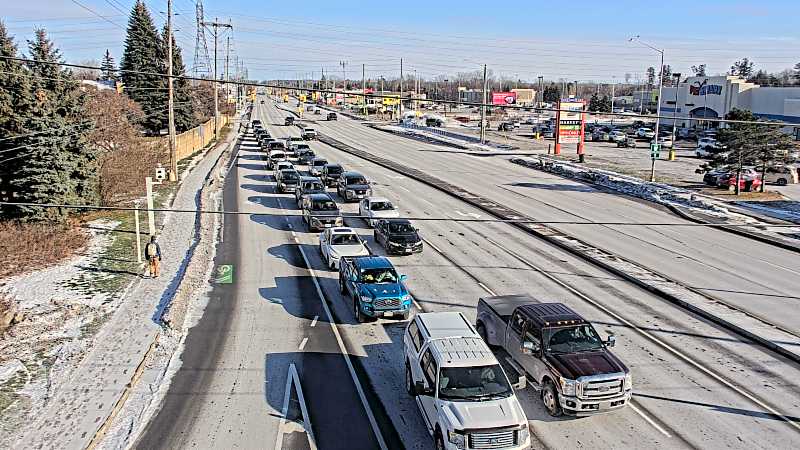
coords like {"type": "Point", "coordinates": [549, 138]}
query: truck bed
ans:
{"type": "Point", "coordinates": [504, 305]}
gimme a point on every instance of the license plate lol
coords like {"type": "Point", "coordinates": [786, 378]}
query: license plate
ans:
{"type": "Point", "coordinates": [327, 225]}
{"type": "Point", "coordinates": [389, 313]}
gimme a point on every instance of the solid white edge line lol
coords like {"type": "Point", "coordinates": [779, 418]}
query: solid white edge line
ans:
{"type": "Point", "coordinates": [293, 378]}
{"type": "Point", "coordinates": [373, 423]}
{"type": "Point", "coordinates": [314, 322]}
{"type": "Point", "coordinates": [303, 343]}
{"type": "Point", "coordinates": [649, 420]}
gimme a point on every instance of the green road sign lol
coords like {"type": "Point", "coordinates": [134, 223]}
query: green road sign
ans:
{"type": "Point", "coordinates": [654, 151]}
{"type": "Point", "coordinates": [224, 274]}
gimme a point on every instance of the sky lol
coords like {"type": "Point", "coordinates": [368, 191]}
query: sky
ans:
{"type": "Point", "coordinates": [577, 40]}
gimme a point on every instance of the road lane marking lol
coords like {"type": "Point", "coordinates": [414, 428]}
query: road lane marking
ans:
{"type": "Point", "coordinates": [303, 343]}
{"type": "Point", "coordinates": [373, 423]}
{"type": "Point", "coordinates": [649, 420]}
{"type": "Point", "coordinates": [293, 378]}
{"type": "Point", "coordinates": [485, 288]}
{"type": "Point", "coordinates": [314, 322]}
{"type": "Point", "coordinates": [403, 188]}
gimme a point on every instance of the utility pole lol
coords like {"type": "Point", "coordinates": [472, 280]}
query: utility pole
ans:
{"type": "Point", "coordinates": [344, 82]}
{"type": "Point", "coordinates": [173, 151]}
{"type": "Point", "coordinates": [674, 118]}
{"type": "Point", "coordinates": [227, 67]}
{"type": "Point", "coordinates": [364, 89]}
{"type": "Point", "coordinates": [612, 100]}
{"type": "Point", "coordinates": [483, 108]}
{"type": "Point", "coordinates": [216, 25]}
{"type": "Point", "coordinates": [401, 89]}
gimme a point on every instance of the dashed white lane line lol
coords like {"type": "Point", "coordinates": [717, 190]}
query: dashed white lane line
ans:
{"type": "Point", "coordinates": [303, 343]}
{"type": "Point", "coordinates": [649, 420]}
{"type": "Point", "coordinates": [485, 288]}
{"type": "Point", "coordinates": [314, 322]}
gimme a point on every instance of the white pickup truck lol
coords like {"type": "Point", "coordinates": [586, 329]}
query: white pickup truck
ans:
{"type": "Point", "coordinates": [465, 397]}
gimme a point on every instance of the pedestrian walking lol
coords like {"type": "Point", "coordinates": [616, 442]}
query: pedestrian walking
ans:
{"type": "Point", "coordinates": [152, 253]}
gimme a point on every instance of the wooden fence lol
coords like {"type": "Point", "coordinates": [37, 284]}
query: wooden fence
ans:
{"type": "Point", "coordinates": [187, 143]}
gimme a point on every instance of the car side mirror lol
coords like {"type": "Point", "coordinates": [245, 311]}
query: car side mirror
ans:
{"type": "Point", "coordinates": [420, 389]}
{"type": "Point", "coordinates": [530, 347]}
{"type": "Point", "coordinates": [403, 277]}
{"type": "Point", "coordinates": [520, 384]}
{"type": "Point", "coordinates": [611, 341]}
{"type": "Point", "coordinates": [353, 278]}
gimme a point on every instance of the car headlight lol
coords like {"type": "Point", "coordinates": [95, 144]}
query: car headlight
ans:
{"type": "Point", "coordinates": [332, 253]}
{"type": "Point", "coordinates": [339, 221]}
{"type": "Point", "coordinates": [366, 298]}
{"type": "Point", "coordinates": [628, 382]}
{"type": "Point", "coordinates": [349, 191]}
{"type": "Point", "coordinates": [457, 438]}
{"type": "Point", "coordinates": [407, 298]}
{"type": "Point", "coordinates": [395, 244]}
{"type": "Point", "coordinates": [524, 434]}
{"type": "Point", "coordinates": [568, 387]}
{"type": "Point", "coordinates": [315, 220]}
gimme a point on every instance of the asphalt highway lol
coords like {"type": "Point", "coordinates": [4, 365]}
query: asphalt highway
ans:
{"type": "Point", "coordinates": [695, 385]}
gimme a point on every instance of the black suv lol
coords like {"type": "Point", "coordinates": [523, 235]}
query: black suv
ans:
{"type": "Point", "coordinates": [330, 173]}
{"type": "Point", "coordinates": [331, 116]}
{"type": "Point", "coordinates": [352, 186]}
{"type": "Point", "coordinates": [289, 120]}
{"type": "Point", "coordinates": [398, 236]}
{"type": "Point", "coordinates": [304, 155]}
{"type": "Point", "coordinates": [307, 186]}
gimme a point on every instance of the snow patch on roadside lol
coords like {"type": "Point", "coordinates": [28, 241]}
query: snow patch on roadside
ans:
{"type": "Point", "coordinates": [55, 331]}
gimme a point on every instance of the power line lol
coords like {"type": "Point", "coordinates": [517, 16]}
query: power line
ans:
{"type": "Point", "coordinates": [409, 98]}
{"type": "Point", "coordinates": [419, 219]}
{"type": "Point", "coordinates": [97, 14]}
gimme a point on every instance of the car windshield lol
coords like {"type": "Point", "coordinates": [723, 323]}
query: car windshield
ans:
{"type": "Point", "coordinates": [580, 338]}
{"type": "Point", "coordinates": [473, 383]}
{"type": "Point", "coordinates": [381, 206]}
{"type": "Point", "coordinates": [356, 180]}
{"type": "Point", "coordinates": [345, 239]}
{"type": "Point", "coordinates": [334, 169]}
{"type": "Point", "coordinates": [289, 175]}
{"type": "Point", "coordinates": [378, 276]}
{"type": "Point", "coordinates": [400, 228]}
{"type": "Point", "coordinates": [324, 205]}
{"type": "Point", "coordinates": [320, 162]}
{"type": "Point", "coordinates": [313, 186]}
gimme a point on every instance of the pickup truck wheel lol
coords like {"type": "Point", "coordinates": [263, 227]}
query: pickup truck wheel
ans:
{"type": "Point", "coordinates": [409, 381]}
{"type": "Point", "coordinates": [438, 440]}
{"type": "Point", "coordinates": [550, 400]}
{"type": "Point", "coordinates": [360, 318]}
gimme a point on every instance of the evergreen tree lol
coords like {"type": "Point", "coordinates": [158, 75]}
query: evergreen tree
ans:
{"type": "Point", "coordinates": [58, 164]}
{"type": "Point", "coordinates": [184, 110]}
{"type": "Point", "coordinates": [699, 71]}
{"type": "Point", "coordinates": [15, 105]}
{"type": "Point", "coordinates": [551, 93]}
{"type": "Point", "coordinates": [143, 54]}
{"type": "Point", "coordinates": [651, 75]}
{"type": "Point", "coordinates": [743, 68]}
{"type": "Point", "coordinates": [108, 68]}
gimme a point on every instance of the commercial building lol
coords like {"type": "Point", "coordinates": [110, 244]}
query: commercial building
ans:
{"type": "Point", "coordinates": [525, 97]}
{"type": "Point", "coordinates": [714, 97]}
{"type": "Point", "coordinates": [470, 95]}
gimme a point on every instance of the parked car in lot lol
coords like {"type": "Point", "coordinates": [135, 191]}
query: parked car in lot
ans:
{"type": "Point", "coordinates": [460, 388]}
{"type": "Point", "coordinates": [559, 352]}
{"type": "Point", "coordinates": [289, 120]}
{"type": "Point", "coordinates": [645, 133]}
{"type": "Point", "coordinates": [320, 211]}
{"type": "Point", "coordinates": [331, 116]}
{"type": "Point", "coordinates": [505, 126]}
{"type": "Point", "coordinates": [307, 186]}
{"type": "Point", "coordinates": [316, 165]}
{"type": "Point", "coordinates": [599, 135]}
{"type": "Point", "coordinates": [330, 174]}
{"type": "Point", "coordinates": [781, 175]}
{"type": "Point", "coordinates": [287, 180]}
{"type": "Point", "coordinates": [304, 155]}
{"type": "Point", "coordinates": [709, 153]}
{"type": "Point", "coordinates": [708, 142]}
{"type": "Point", "coordinates": [374, 287]}
{"type": "Point", "coordinates": [309, 134]}
{"type": "Point", "coordinates": [628, 142]}
{"type": "Point", "coordinates": [749, 180]}
{"type": "Point", "coordinates": [711, 178]}
{"type": "Point", "coordinates": [616, 136]}
{"type": "Point", "coordinates": [337, 243]}
{"type": "Point", "coordinates": [665, 141]}
{"type": "Point", "coordinates": [353, 186]}
{"type": "Point", "coordinates": [373, 208]}
{"type": "Point", "coordinates": [397, 236]}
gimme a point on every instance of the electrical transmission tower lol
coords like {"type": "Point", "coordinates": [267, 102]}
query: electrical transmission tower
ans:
{"type": "Point", "coordinates": [202, 63]}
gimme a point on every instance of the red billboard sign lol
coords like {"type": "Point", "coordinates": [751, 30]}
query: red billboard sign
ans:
{"type": "Point", "coordinates": [504, 98]}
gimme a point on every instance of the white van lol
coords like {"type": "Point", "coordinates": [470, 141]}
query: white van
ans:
{"type": "Point", "coordinates": [463, 393]}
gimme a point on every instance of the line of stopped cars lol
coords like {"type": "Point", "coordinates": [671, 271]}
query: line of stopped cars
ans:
{"type": "Point", "coordinates": [462, 375]}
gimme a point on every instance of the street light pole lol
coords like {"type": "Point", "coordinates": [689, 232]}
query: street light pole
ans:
{"type": "Point", "coordinates": [658, 106]}
{"type": "Point", "coordinates": [674, 117]}
{"type": "Point", "coordinates": [613, 83]}
{"type": "Point", "coordinates": [483, 108]}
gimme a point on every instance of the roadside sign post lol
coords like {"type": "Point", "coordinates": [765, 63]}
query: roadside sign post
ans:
{"type": "Point", "coordinates": [138, 240]}
{"type": "Point", "coordinates": [654, 155]}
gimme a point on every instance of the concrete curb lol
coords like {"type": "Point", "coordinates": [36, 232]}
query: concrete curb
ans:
{"type": "Point", "coordinates": [584, 251]}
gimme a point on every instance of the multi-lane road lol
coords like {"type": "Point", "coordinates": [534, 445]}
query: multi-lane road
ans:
{"type": "Point", "coordinates": [695, 385]}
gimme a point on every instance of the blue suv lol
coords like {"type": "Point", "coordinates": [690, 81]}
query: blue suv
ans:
{"type": "Point", "coordinates": [374, 287]}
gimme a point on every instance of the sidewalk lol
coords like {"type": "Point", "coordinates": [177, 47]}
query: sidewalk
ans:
{"type": "Point", "coordinates": [79, 405]}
